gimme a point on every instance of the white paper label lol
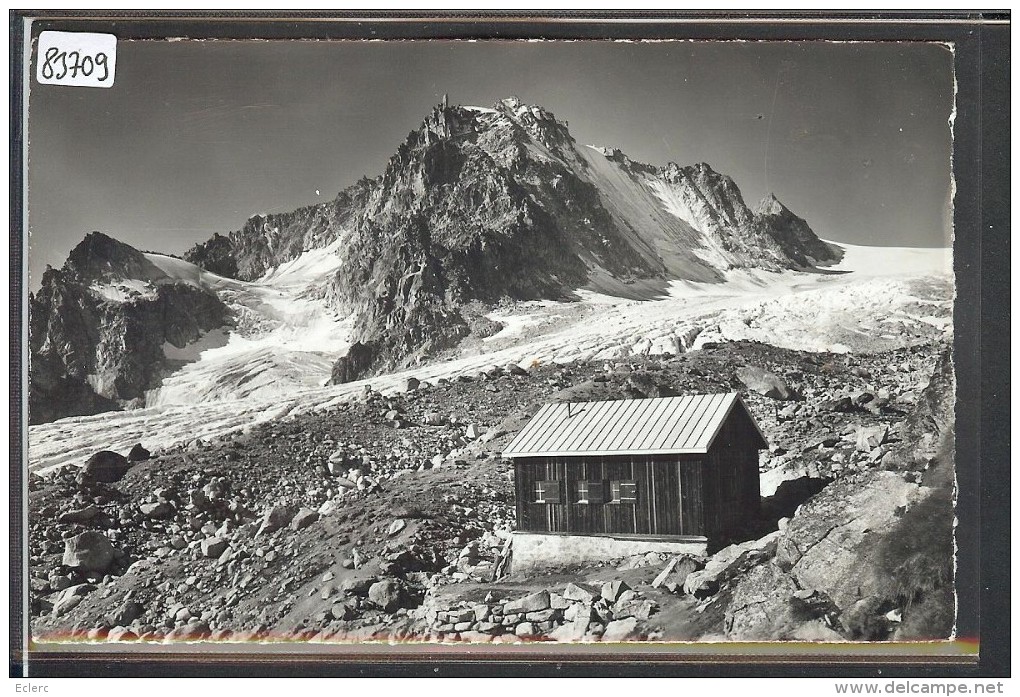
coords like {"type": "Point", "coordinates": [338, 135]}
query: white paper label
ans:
{"type": "Point", "coordinates": [79, 59]}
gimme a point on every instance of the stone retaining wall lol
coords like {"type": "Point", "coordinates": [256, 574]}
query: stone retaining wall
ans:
{"type": "Point", "coordinates": [536, 551]}
{"type": "Point", "coordinates": [577, 613]}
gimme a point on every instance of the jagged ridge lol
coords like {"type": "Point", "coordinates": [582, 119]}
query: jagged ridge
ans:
{"type": "Point", "coordinates": [476, 204]}
{"type": "Point", "coordinates": [492, 203]}
{"type": "Point", "coordinates": [98, 326]}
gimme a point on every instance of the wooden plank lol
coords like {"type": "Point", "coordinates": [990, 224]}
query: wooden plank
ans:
{"type": "Point", "coordinates": [522, 515]}
{"type": "Point", "coordinates": [641, 507]}
{"type": "Point", "coordinates": [681, 522]}
{"type": "Point", "coordinates": [693, 502]}
{"type": "Point", "coordinates": [650, 478]}
{"type": "Point", "coordinates": [667, 496]}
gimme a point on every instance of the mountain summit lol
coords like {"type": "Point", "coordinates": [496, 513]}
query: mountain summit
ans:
{"type": "Point", "coordinates": [478, 205]}
{"type": "Point", "coordinates": [501, 202]}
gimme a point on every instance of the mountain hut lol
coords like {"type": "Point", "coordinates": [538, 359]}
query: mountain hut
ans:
{"type": "Point", "coordinates": [603, 480]}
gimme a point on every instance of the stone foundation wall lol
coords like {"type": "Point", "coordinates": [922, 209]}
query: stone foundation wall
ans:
{"type": "Point", "coordinates": [535, 551]}
{"type": "Point", "coordinates": [576, 612]}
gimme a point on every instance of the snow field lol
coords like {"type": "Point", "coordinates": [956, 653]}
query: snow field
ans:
{"type": "Point", "coordinates": [281, 367]}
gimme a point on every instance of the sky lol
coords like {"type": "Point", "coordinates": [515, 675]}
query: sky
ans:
{"type": "Point", "coordinates": [196, 136]}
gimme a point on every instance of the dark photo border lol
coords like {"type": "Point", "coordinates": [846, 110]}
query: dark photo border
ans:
{"type": "Point", "coordinates": [981, 352]}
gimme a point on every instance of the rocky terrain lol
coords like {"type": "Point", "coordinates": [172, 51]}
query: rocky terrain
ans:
{"type": "Point", "coordinates": [387, 517]}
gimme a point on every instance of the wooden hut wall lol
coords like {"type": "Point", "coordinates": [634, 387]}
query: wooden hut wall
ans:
{"type": "Point", "coordinates": [692, 495]}
{"type": "Point", "coordinates": [732, 472]}
{"type": "Point", "coordinates": [669, 497]}
{"type": "Point", "coordinates": [708, 495]}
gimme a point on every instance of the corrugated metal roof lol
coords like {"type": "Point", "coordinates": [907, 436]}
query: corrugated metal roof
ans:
{"type": "Point", "coordinates": [626, 426]}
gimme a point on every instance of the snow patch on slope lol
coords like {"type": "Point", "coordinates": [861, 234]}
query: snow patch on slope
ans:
{"type": "Point", "coordinates": [675, 204]}
{"type": "Point", "coordinates": [180, 271]}
{"type": "Point", "coordinates": [283, 338]}
{"type": "Point", "coordinates": [193, 351]}
{"type": "Point", "coordinates": [124, 290]}
{"type": "Point", "coordinates": [307, 270]}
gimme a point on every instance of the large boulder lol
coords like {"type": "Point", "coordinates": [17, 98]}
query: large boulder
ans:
{"type": "Point", "coordinates": [761, 608]}
{"type": "Point", "coordinates": [157, 510]}
{"type": "Point", "coordinates": [275, 518]}
{"type": "Point", "coordinates": [356, 585]}
{"type": "Point", "coordinates": [829, 576]}
{"type": "Point", "coordinates": [387, 594]}
{"type": "Point", "coordinates": [771, 481]}
{"type": "Point", "coordinates": [622, 630]}
{"type": "Point", "coordinates": [612, 590]}
{"type": "Point", "coordinates": [765, 383]}
{"type": "Point", "coordinates": [105, 466]}
{"type": "Point", "coordinates": [138, 453]}
{"type": "Point", "coordinates": [677, 570]}
{"type": "Point", "coordinates": [303, 518]}
{"type": "Point", "coordinates": [824, 544]}
{"type": "Point", "coordinates": [70, 598]}
{"type": "Point", "coordinates": [870, 437]}
{"type": "Point", "coordinates": [213, 547]}
{"type": "Point", "coordinates": [81, 515]}
{"type": "Point", "coordinates": [126, 613]}
{"type": "Point", "coordinates": [89, 551]}
{"type": "Point", "coordinates": [536, 602]}
{"type": "Point", "coordinates": [526, 630]}
{"type": "Point", "coordinates": [194, 630]}
{"type": "Point", "coordinates": [433, 418]}
{"type": "Point", "coordinates": [578, 593]}
{"type": "Point", "coordinates": [687, 566]}
{"type": "Point", "coordinates": [574, 629]}
{"type": "Point", "coordinates": [341, 611]}
{"type": "Point", "coordinates": [727, 563]}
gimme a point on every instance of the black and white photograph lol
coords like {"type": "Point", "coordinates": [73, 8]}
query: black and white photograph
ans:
{"type": "Point", "coordinates": [545, 344]}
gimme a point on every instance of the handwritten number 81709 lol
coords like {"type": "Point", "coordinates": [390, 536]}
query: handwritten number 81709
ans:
{"type": "Point", "coordinates": [59, 63]}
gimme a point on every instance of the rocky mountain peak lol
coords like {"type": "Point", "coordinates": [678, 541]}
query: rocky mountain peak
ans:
{"type": "Point", "coordinates": [539, 123]}
{"type": "Point", "coordinates": [100, 257]}
{"type": "Point", "coordinates": [512, 102]}
{"type": "Point", "coordinates": [97, 336]}
{"type": "Point", "coordinates": [499, 202]}
{"type": "Point", "coordinates": [770, 205]}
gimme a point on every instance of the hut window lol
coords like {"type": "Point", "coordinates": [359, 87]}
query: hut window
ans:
{"type": "Point", "coordinates": [547, 492]}
{"type": "Point", "coordinates": [589, 492]}
{"type": "Point", "coordinates": [622, 491]}
{"type": "Point", "coordinates": [581, 492]}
